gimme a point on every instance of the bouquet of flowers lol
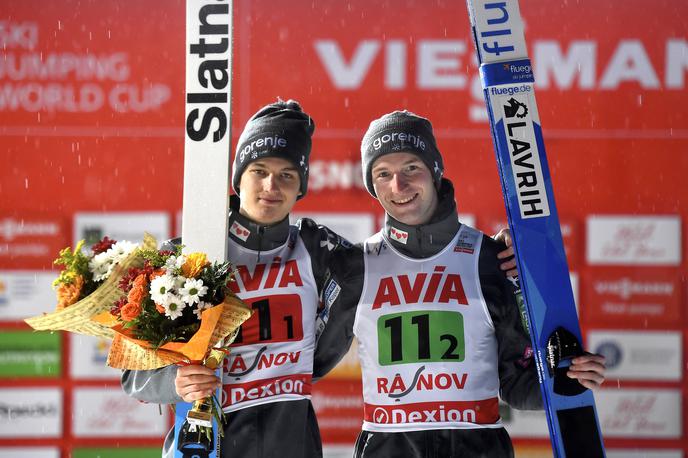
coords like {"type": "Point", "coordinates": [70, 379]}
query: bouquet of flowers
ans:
{"type": "Point", "coordinates": [159, 307]}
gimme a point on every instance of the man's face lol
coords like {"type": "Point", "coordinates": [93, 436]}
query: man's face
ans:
{"type": "Point", "coordinates": [268, 190]}
{"type": "Point", "coordinates": [404, 187]}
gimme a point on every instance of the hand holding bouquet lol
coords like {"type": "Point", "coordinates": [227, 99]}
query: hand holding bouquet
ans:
{"type": "Point", "coordinates": [159, 307]}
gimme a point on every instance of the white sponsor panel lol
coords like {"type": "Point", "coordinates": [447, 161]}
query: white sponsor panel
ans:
{"type": "Point", "coordinates": [29, 452]}
{"type": "Point", "coordinates": [30, 412]}
{"type": "Point", "coordinates": [525, 423]}
{"type": "Point", "coordinates": [355, 227]}
{"type": "Point", "coordinates": [639, 355]}
{"type": "Point", "coordinates": [643, 453]}
{"type": "Point", "coordinates": [25, 293]}
{"type": "Point", "coordinates": [121, 226]}
{"type": "Point", "coordinates": [640, 413]}
{"type": "Point", "coordinates": [102, 412]}
{"type": "Point", "coordinates": [634, 240]}
{"type": "Point", "coordinates": [88, 356]}
{"type": "Point", "coordinates": [337, 451]}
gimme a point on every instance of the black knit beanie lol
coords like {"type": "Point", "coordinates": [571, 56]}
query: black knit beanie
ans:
{"type": "Point", "coordinates": [397, 132]}
{"type": "Point", "coordinates": [280, 129]}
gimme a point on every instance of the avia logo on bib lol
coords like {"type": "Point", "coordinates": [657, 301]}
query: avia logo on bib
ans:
{"type": "Point", "coordinates": [278, 275]}
{"type": "Point", "coordinates": [440, 287]}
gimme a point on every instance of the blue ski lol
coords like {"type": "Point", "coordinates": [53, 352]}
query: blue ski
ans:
{"type": "Point", "coordinates": [508, 85]}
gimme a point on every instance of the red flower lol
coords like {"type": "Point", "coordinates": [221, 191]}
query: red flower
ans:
{"type": "Point", "coordinates": [103, 245]}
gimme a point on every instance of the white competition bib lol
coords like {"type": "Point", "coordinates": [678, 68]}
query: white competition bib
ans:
{"type": "Point", "coordinates": [272, 358]}
{"type": "Point", "coordinates": [426, 340]}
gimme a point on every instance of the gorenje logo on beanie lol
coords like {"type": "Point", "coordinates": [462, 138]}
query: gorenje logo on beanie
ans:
{"type": "Point", "coordinates": [273, 141]}
{"type": "Point", "coordinates": [414, 140]}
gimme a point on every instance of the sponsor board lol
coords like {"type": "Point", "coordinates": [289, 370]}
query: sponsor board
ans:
{"type": "Point", "coordinates": [30, 242]}
{"type": "Point", "coordinates": [643, 453]}
{"type": "Point", "coordinates": [640, 413]}
{"type": "Point", "coordinates": [119, 452]}
{"type": "Point", "coordinates": [639, 355]}
{"type": "Point", "coordinates": [120, 226]}
{"type": "Point", "coordinates": [634, 240]}
{"type": "Point", "coordinates": [30, 452]}
{"type": "Point", "coordinates": [639, 295]}
{"type": "Point", "coordinates": [524, 423]}
{"type": "Point", "coordinates": [25, 293]}
{"type": "Point", "coordinates": [355, 227]}
{"type": "Point", "coordinates": [30, 354]}
{"type": "Point", "coordinates": [111, 413]}
{"type": "Point", "coordinates": [30, 413]}
{"type": "Point", "coordinates": [88, 356]}
{"type": "Point", "coordinates": [339, 406]}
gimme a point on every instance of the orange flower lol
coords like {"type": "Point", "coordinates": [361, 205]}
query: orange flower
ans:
{"type": "Point", "coordinates": [67, 294]}
{"type": "Point", "coordinates": [195, 263]}
{"type": "Point", "coordinates": [138, 291]}
{"type": "Point", "coordinates": [156, 273]}
{"type": "Point", "coordinates": [130, 311]}
{"type": "Point", "coordinates": [160, 308]}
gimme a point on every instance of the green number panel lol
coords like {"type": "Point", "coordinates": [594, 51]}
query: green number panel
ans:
{"type": "Point", "coordinates": [420, 336]}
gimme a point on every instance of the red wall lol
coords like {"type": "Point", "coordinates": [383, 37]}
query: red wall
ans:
{"type": "Point", "coordinates": [611, 87]}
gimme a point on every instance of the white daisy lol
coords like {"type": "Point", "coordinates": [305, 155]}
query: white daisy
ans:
{"type": "Point", "coordinates": [174, 307]}
{"type": "Point", "coordinates": [102, 264]}
{"type": "Point", "coordinates": [193, 290]}
{"type": "Point", "coordinates": [99, 266]}
{"type": "Point", "coordinates": [160, 288]}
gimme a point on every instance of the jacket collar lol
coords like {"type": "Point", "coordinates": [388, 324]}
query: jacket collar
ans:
{"type": "Point", "coordinates": [252, 235]}
{"type": "Point", "coordinates": [425, 240]}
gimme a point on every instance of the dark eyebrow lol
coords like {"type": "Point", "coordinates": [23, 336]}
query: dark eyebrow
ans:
{"type": "Point", "coordinates": [262, 164]}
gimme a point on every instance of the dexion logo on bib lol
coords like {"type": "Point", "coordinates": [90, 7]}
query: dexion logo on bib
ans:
{"type": "Point", "coordinates": [479, 412]}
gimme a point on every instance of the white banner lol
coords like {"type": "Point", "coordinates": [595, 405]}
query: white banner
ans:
{"type": "Point", "coordinates": [639, 355]}
{"type": "Point", "coordinates": [100, 412]}
{"type": "Point", "coordinates": [29, 452]}
{"type": "Point", "coordinates": [87, 358]}
{"type": "Point", "coordinates": [30, 412]}
{"type": "Point", "coordinates": [634, 240]}
{"type": "Point", "coordinates": [640, 413]}
{"type": "Point", "coordinates": [25, 293]}
{"type": "Point", "coordinates": [121, 226]}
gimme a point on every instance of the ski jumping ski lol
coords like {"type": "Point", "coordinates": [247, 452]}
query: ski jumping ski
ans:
{"type": "Point", "coordinates": [508, 86]}
{"type": "Point", "coordinates": [207, 142]}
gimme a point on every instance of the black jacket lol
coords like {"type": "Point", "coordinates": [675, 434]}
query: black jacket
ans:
{"type": "Point", "coordinates": [287, 429]}
{"type": "Point", "coordinates": [518, 378]}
